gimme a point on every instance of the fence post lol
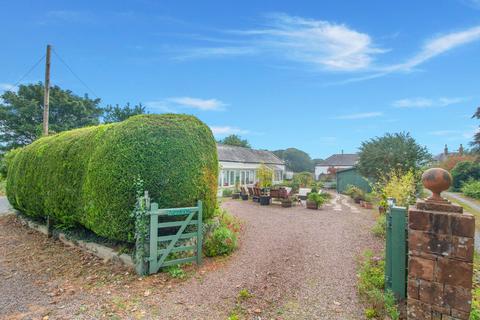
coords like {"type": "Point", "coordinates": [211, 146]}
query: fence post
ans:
{"type": "Point", "coordinates": [199, 233]}
{"type": "Point", "coordinates": [152, 261]}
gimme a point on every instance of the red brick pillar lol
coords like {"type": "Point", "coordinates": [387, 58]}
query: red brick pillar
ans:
{"type": "Point", "coordinates": [440, 255]}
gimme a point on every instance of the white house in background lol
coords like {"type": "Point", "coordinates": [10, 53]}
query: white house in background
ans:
{"type": "Point", "coordinates": [238, 163]}
{"type": "Point", "coordinates": [337, 161]}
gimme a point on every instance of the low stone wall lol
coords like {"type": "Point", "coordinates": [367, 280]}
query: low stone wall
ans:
{"type": "Point", "coordinates": [101, 251]}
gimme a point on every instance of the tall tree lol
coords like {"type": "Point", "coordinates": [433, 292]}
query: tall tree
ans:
{"type": "Point", "coordinates": [117, 113]}
{"type": "Point", "coordinates": [21, 113]}
{"type": "Point", "coordinates": [379, 156]}
{"type": "Point", "coordinates": [476, 139]}
{"type": "Point", "coordinates": [235, 140]}
{"type": "Point", "coordinates": [295, 160]}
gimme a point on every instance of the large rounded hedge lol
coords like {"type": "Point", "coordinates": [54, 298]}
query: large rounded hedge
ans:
{"type": "Point", "coordinates": [87, 176]}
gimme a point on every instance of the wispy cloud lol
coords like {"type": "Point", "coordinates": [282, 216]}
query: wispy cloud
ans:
{"type": "Point", "coordinates": [327, 45]}
{"type": "Point", "coordinates": [197, 103]}
{"type": "Point", "coordinates": [226, 130]}
{"type": "Point", "coordinates": [443, 132]}
{"type": "Point", "coordinates": [174, 103]}
{"type": "Point", "coordinates": [363, 115]}
{"type": "Point", "coordinates": [420, 102]}
{"type": "Point", "coordinates": [438, 46]}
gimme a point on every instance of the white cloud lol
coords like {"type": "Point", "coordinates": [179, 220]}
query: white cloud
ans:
{"type": "Point", "coordinates": [437, 46]}
{"type": "Point", "coordinates": [355, 116]}
{"type": "Point", "coordinates": [197, 103]}
{"type": "Point", "coordinates": [420, 102]}
{"type": "Point", "coordinates": [70, 16]}
{"type": "Point", "coordinates": [227, 130]}
{"type": "Point", "coordinates": [320, 43]}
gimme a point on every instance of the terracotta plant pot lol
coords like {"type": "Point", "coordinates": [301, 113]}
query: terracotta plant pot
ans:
{"type": "Point", "coordinates": [382, 210]}
{"type": "Point", "coordinates": [368, 205]}
{"type": "Point", "coordinates": [362, 203]}
{"type": "Point", "coordinates": [312, 205]}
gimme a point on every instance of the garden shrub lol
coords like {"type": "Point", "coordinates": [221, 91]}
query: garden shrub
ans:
{"type": "Point", "coordinates": [221, 242]}
{"type": "Point", "coordinates": [220, 233]}
{"type": "Point", "coordinates": [87, 176]}
{"type": "Point", "coordinates": [463, 172]}
{"type": "Point", "coordinates": [472, 189]}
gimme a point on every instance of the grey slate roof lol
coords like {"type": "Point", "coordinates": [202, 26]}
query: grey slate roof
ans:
{"type": "Point", "coordinates": [246, 155]}
{"type": "Point", "coordinates": [341, 159]}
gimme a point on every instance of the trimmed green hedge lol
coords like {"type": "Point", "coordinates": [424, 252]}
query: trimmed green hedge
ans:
{"type": "Point", "coordinates": [86, 176]}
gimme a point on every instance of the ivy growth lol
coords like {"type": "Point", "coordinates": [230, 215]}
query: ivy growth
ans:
{"type": "Point", "coordinates": [140, 216]}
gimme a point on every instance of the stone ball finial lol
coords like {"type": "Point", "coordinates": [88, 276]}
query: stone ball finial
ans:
{"type": "Point", "coordinates": [436, 180]}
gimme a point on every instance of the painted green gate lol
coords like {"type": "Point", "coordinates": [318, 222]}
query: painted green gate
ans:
{"type": "Point", "coordinates": [396, 251]}
{"type": "Point", "coordinates": [173, 232]}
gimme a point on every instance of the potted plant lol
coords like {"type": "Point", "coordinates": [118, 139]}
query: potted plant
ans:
{"type": "Point", "coordinates": [367, 204]}
{"type": "Point", "coordinates": [314, 200]}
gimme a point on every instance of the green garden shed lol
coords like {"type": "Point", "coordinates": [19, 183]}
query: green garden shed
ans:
{"type": "Point", "coordinates": [351, 176]}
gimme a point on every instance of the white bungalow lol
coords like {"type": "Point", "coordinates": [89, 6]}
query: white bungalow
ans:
{"type": "Point", "coordinates": [337, 161]}
{"type": "Point", "coordinates": [238, 163]}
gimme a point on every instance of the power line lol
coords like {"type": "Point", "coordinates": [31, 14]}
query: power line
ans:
{"type": "Point", "coordinates": [74, 74]}
{"type": "Point", "coordinates": [27, 73]}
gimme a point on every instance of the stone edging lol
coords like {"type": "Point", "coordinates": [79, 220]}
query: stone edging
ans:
{"type": "Point", "coordinates": [101, 251]}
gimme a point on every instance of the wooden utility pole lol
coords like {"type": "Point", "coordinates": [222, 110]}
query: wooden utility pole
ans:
{"type": "Point", "coordinates": [46, 98]}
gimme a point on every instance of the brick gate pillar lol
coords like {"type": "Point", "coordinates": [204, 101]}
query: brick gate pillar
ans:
{"type": "Point", "coordinates": [440, 254]}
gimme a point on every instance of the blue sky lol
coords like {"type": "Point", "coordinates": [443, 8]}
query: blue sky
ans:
{"type": "Point", "coordinates": [322, 76]}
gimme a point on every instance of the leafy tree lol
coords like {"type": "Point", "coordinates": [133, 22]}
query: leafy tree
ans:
{"type": "Point", "coordinates": [451, 161]}
{"type": "Point", "coordinates": [295, 160]}
{"type": "Point", "coordinates": [397, 152]}
{"type": "Point", "coordinates": [21, 113]}
{"type": "Point", "coordinates": [117, 113]}
{"type": "Point", "coordinates": [265, 176]}
{"type": "Point", "coordinates": [303, 179]}
{"type": "Point", "coordinates": [234, 140]}
{"type": "Point", "coordinates": [476, 139]}
{"type": "Point", "coordinates": [463, 172]}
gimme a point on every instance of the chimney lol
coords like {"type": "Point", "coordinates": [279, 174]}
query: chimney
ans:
{"type": "Point", "coordinates": [460, 150]}
{"type": "Point", "coordinates": [445, 150]}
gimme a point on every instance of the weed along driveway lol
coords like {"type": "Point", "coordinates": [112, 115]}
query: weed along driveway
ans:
{"type": "Point", "coordinates": [292, 263]}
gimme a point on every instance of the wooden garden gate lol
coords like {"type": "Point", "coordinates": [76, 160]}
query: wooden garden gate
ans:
{"type": "Point", "coordinates": [183, 226]}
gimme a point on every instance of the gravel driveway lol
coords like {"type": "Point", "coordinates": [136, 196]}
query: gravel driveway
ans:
{"type": "Point", "coordinates": [295, 263]}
